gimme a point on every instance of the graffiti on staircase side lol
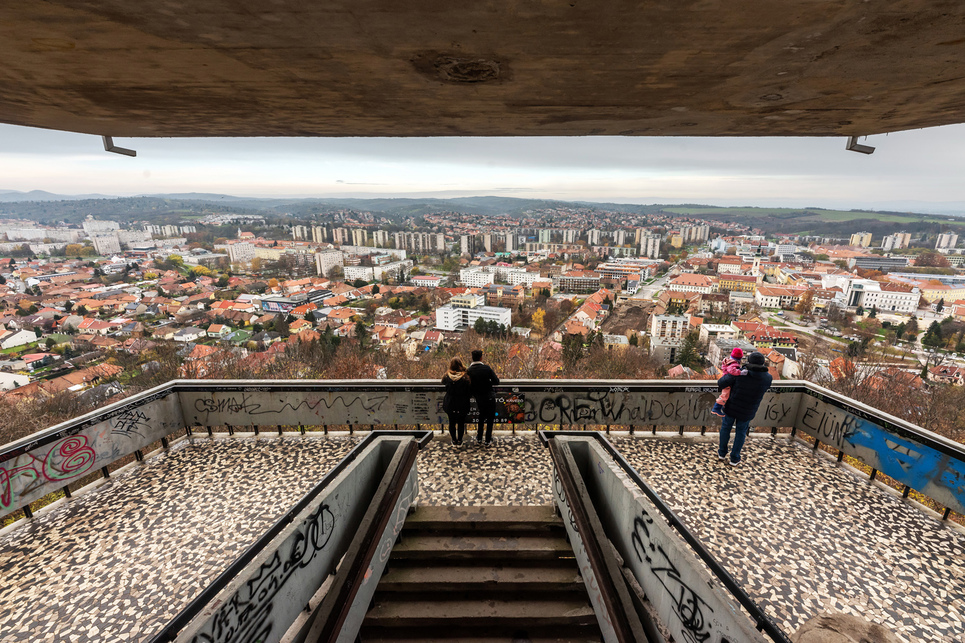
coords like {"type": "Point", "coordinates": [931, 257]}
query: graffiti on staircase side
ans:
{"type": "Point", "coordinates": [246, 617]}
{"type": "Point", "coordinates": [689, 607]}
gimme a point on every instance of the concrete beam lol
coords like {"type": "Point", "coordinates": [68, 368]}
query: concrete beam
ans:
{"type": "Point", "coordinates": [383, 68]}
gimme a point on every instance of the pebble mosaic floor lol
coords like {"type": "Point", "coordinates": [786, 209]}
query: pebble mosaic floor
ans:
{"type": "Point", "coordinates": [802, 535]}
{"type": "Point", "coordinates": [805, 536]}
{"type": "Point", "coordinates": [515, 471]}
{"type": "Point", "coordinates": [117, 563]}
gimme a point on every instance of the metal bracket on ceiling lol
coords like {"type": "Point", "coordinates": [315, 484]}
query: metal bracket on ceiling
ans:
{"type": "Point", "coordinates": [854, 146]}
{"type": "Point", "coordinates": [110, 147]}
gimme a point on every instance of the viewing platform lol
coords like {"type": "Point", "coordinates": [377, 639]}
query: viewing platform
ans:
{"type": "Point", "coordinates": [801, 532]}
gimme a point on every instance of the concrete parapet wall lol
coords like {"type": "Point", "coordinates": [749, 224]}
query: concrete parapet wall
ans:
{"type": "Point", "coordinates": [689, 601]}
{"type": "Point", "coordinates": [45, 461]}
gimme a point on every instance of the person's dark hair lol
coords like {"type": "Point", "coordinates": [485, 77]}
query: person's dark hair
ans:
{"type": "Point", "coordinates": [756, 359]}
{"type": "Point", "coordinates": [477, 355]}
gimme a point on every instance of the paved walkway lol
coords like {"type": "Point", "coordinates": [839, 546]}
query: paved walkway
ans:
{"type": "Point", "coordinates": [118, 563]}
{"type": "Point", "coordinates": [802, 535]}
{"type": "Point", "coordinates": [805, 536]}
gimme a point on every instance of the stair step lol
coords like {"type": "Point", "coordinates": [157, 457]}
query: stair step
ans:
{"type": "Point", "coordinates": [572, 635]}
{"type": "Point", "coordinates": [505, 519]}
{"type": "Point", "coordinates": [481, 547]}
{"type": "Point", "coordinates": [461, 578]}
{"type": "Point", "coordinates": [522, 614]}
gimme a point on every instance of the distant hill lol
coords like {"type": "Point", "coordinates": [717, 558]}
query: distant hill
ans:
{"type": "Point", "coordinates": [46, 207]}
{"type": "Point", "coordinates": [8, 196]}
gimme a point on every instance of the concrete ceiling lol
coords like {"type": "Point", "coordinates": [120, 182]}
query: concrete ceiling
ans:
{"type": "Point", "coordinates": [482, 68]}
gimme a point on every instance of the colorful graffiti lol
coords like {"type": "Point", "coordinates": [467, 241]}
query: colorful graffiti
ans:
{"type": "Point", "coordinates": [910, 463]}
{"type": "Point", "coordinates": [67, 458]}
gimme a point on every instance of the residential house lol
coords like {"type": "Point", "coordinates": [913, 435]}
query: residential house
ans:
{"type": "Point", "coordinates": [14, 338]}
{"type": "Point", "coordinates": [189, 334]}
{"type": "Point", "coordinates": [219, 331]}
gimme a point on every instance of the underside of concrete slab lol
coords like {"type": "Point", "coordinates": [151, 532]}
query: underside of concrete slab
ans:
{"type": "Point", "coordinates": [532, 68]}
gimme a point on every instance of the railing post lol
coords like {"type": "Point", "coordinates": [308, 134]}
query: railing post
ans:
{"type": "Point", "coordinates": [948, 510]}
{"type": "Point", "coordinates": [67, 492]}
{"type": "Point", "coordinates": [874, 473]}
{"type": "Point", "coordinates": [907, 490]}
{"type": "Point", "coordinates": [164, 442]}
{"type": "Point", "coordinates": [817, 443]}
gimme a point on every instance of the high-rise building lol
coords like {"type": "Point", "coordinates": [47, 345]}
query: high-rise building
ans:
{"type": "Point", "coordinates": [467, 244]}
{"type": "Point", "coordinates": [593, 237]}
{"type": "Point", "coordinates": [545, 235]}
{"type": "Point", "coordinates": [106, 243]}
{"type": "Point", "coordinates": [510, 241]}
{"type": "Point", "coordinates": [299, 232]}
{"type": "Point", "coordinates": [318, 234]}
{"type": "Point", "coordinates": [650, 246]}
{"type": "Point", "coordinates": [381, 238]}
{"type": "Point", "coordinates": [569, 235]}
{"type": "Point", "coordinates": [92, 226]}
{"type": "Point", "coordinates": [946, 240]}
{"type": "Point", "coordinates": [620, 237]}
{"type": "Point", "coordinates": [860, 239]}
{"type": "Point", "coordinates": [360, 237]}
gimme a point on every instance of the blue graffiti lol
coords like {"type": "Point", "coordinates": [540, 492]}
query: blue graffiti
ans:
{"type": "Point", "coordinates": [908, 462]}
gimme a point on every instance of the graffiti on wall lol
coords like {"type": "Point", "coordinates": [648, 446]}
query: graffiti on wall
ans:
{"type": "Point", "coordinates": [247, 615]}
{"type": "Point", "coordinates": [918, 466]}
{"type": "Point", "coordinates": [248, 404]}
{"type": "Point", "coordinates": [691, 610]}
{"type": "Point", "coordinates": [61, 462]}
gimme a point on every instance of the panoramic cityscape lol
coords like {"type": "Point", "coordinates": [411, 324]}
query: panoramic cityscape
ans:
{"type": "Point", "coordinates": [571, 322]}
{"type": "Point", "coordinates": [105, 299]}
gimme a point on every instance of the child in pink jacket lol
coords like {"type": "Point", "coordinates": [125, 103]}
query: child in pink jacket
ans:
{"type": "Point", "coordinates": [730, 366]}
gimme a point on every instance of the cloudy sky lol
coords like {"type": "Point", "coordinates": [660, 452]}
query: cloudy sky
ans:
{"type": "Point", "coordinates": [920, 170]}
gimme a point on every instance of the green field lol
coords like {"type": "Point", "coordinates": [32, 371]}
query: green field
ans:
{"type": "Point", "coordinates": [803, 216]}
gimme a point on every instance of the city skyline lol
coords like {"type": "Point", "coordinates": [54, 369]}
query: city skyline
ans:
{"type": "Point", "coordinates": [916, 170]}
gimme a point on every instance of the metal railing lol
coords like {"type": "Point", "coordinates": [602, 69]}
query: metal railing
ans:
{"type": "Point", "coordinates": [47, 461]}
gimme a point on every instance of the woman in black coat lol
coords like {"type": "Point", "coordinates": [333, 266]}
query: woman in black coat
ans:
{"type": "Point", "coordinates": [456, 402]}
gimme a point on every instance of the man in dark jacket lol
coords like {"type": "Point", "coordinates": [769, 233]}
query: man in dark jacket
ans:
{"type": "Point", "coordinates": [746, 394]}
{"type": "Point", "coordinates": [483, 379]}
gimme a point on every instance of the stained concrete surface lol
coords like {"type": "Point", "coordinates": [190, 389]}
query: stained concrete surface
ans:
{"type": "Point", "coordinates": [433, 68]}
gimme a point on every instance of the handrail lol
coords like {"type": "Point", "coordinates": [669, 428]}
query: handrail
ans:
{"type": "Point", "coordinates": [343, 594]}
{"type": "Point", "coordinates": [763, 622]}
{"type": "Point", "coordinates": [179, 622]}
{"type": "Point", "coordinates": [615, 603]}
{"type": "Point", "coordinates": [70, 427]}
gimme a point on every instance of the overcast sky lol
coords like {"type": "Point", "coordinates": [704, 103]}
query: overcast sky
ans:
{"type": "Point", "coordinates": [920, 169]}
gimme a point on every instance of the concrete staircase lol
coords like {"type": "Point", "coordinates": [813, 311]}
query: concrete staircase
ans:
{"type": "Point", "coordinates": [482, 575]}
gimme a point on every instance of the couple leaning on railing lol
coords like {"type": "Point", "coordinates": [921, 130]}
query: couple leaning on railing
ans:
{"type": "Point", "coordinates": [462, 385]}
